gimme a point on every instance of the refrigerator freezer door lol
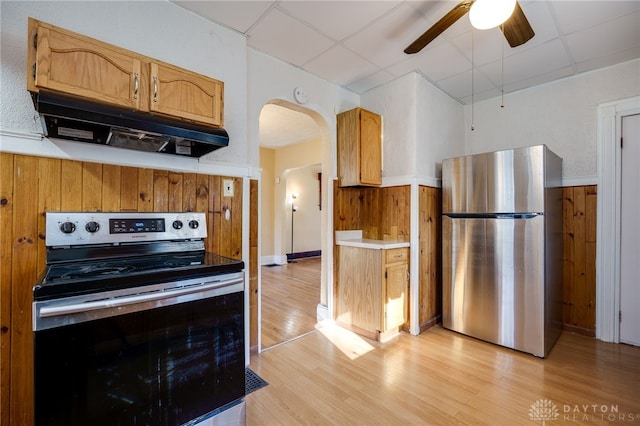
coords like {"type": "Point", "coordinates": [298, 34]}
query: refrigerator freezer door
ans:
{"type": "Point", "coordinates": [493, 280]}
{"type": "Point", "coordinates": [510, 181]}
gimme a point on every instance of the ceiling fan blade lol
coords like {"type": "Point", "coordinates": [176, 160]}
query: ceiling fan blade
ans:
{"type": "Point", "coordinates": [437, 29]}
{"type": "Point", "coordinates": [517, 29]}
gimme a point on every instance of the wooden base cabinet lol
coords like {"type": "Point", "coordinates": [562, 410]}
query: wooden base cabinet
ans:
{"type": "Point", "coordinates": [77, 65]}
{"type": "Point", "coordinates": [372, 290]}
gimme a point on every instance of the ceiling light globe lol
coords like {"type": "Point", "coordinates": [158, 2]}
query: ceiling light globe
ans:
{"type": "Point", "coordinates": [485, 14]}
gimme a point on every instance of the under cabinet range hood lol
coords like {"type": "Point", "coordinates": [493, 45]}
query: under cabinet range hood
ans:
{"type": "Point", "coordinates": [80, 120]}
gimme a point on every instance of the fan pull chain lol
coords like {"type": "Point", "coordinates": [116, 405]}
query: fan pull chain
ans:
{"type": "Point", "coordinates": [502, 76]}
{"type": "Point", "coordinates": [473, 127]}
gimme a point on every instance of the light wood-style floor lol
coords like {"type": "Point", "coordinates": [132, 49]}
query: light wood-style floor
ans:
{"type": "Point", "coordinates": [333, 377]}
{"type": "Point", "coordinates": [290, 296]}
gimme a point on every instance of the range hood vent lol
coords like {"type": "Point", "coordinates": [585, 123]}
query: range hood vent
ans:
{"type": "Point", "coordinates": [80, 120]}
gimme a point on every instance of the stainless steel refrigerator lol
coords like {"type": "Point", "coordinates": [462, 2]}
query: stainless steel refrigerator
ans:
{"type": "Point", "coordinates": [502, 247]}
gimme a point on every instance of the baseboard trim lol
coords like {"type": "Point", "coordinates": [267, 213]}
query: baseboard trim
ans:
{"type": "Point", "coordinates": [273, 260]}
{"type": "Point", "coordinates": [322, 313]}
{"type": "Point", "coordinates": [430, 323]}
{"type": "Point", "coordinates": [579, 330]}
{"type": "Point", "coordinates": [303, 255]}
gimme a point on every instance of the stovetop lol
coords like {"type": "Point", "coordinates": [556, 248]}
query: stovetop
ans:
{"type": "Point", "coordinates": [102, 251]}
{"type": "Point", "coordinates": [82, 277]}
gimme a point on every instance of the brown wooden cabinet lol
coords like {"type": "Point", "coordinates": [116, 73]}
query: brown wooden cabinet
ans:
{"type": "Point", "coordinates": [185, 94]}
{"type": "Point", "coordinates": [359, 148]}
{"type": "Point", "coordinates": [66, 62]}
{"type": "Point", "coordinates": [372, 290]}
{"type": "Point", "coordinates": [71, 63]}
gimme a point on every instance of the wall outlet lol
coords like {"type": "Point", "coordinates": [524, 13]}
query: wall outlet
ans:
{"type": "Point", "coordinates": [228, 188]}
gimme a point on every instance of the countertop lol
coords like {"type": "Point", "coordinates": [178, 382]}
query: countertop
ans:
{"type": "Point", "coordinates": [354, 239]}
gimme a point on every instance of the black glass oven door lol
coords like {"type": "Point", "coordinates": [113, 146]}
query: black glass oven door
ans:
{"type": "Point", "coordinates": [163, 366]}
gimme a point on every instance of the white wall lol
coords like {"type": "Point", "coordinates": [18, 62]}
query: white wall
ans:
{"type": "Point", "coordinates": [271, 80]}
{"type": "Point", "coordinates": [396, 103]}
{"type": "Point", "coordinates": [440, 132]}
{"type": "Point", "coordinates": [561, 114]}
{"type": "Point", "coordinates": [158, 29]}
{"type": "Point", "coordinates": [421, 126]}
{"type": "Point", "coordinates": [303, 181]}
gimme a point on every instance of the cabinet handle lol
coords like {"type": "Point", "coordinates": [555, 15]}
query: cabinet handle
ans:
{"type": "Point", "coordinates": [136, 85]}
{"type": "Point", "coordinates": [155, 89]}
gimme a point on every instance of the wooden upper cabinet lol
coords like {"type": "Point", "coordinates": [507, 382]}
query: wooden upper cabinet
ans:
{"type": "Point", "coordinates": [73, 64]}
{"type": "Point", "coordinates": [359, 148]}
{"type": "Point", "coordinates": [65, 62]}
{"type": "Point", "coordinates": [185, 94]}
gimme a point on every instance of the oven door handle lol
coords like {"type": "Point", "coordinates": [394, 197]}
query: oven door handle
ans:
{"type": "Point", "coordinates": [52, 311]}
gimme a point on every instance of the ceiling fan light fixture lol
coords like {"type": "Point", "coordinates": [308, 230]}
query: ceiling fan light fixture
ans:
{"type": "Point", "coordinates": [486, 14]}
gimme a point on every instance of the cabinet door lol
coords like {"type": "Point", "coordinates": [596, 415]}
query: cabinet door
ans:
{"type": "Point", "coordinates": [83, 67]}
{"type": "Point", "coordinates": [395, 295]}
{"type": "Point", "coordinates": [359, 290]}
{"type": "Point", "coordinates": [184, 94]}
{"type": "Point", "coordinates": [370, 148]}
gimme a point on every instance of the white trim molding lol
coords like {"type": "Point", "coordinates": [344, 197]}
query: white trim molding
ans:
{"type": "Point", "coordinates": [36, 145]}
{"type": "Point", "coordinates": [608, 216]}
{"type": "Point", "coordinates": [580, 180]}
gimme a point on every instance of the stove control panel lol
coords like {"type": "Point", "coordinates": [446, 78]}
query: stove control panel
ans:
{"type": "Point", "coordinates": [69, 229]}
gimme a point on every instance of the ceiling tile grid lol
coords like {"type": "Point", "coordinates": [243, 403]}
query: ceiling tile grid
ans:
{"type": "Point", "coordinates": [358, 44]}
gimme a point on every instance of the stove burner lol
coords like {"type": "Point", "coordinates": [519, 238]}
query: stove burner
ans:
{"type": "Point", "coordinates": [95, 270]}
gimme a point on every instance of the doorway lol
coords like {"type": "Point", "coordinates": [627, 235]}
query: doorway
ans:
{"type": "Point", "coordinates": [609, 218]}
{"type": "Point", "coordinates": [630, 231]}
{"type": "Point", "coordinates": [291, 152]}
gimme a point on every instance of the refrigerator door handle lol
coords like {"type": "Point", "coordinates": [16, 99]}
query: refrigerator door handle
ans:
{"type": "Point", "coordinates": [493, 215]}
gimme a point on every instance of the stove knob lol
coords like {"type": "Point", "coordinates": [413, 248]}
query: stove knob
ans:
{"type": "Point", "coordinates": [193, 224]}
{"type": "Point", "coordinates": [67, 227]}
{"type": "Point", "coordinates": [177, 224]}
{"type": "Point", "coordinates": [92, 227]}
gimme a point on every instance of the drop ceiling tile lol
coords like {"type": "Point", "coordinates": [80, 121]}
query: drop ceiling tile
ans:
{"type": "Point", "coordinates": [337, 19]}
{"type": "Point", "coordinates": [481, 96]}
{"type": "Point", "coordinates": [384, 41]}
{"type": "Point", "coordinates": [459, 86]}
{"type": "Point", "coordinates": [371, 81]}
{"type": "Point", "coordinates": [541, 20]}
{"type": "Point", "coordinates": [285, 38]}
{"type": "Point", "coordinates": [352, 67]}
{"type": "Point", "coordinates": [540, 79]}
{"type": "Point", "coordinates": [442, 61]}
{"type": "Point", "coordinates": [523, 66]}
{"type": "Point", "coordinates": [612, 59]}
{"type": "Point", "coordinates": [602, 40]}
{"type": "Point", "coordinates": [574, 16]}
{"type": "Point", "coordinates": [238, 15]}
{"type": "Point", "coordinates": [487, 45]}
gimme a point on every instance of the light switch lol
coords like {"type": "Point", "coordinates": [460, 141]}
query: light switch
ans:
{"type": "Point", "coordinates": [228, 188]}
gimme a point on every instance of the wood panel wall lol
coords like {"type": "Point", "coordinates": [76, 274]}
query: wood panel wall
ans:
{"type": "Point", "coordinates": [31, 186]}
{"type": "Point", "coordinates": [253, 264]}
{"type": "Point", "coordinates": [377, 211]}
{"type": "Point", "coordinates": [430, 266]}
{"type": "Point", "coordinates": [381, 213]}
{"type": "Point", "coordinates": [579, 258]}
{"type": "Point", "coordinates": [384, 213]}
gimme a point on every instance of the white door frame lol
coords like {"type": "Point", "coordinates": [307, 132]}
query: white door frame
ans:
{"type": "Point", "coordinates": [608, 220]}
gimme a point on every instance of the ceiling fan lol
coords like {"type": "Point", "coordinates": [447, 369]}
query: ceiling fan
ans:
{"type": "Point", "coordinates": [516, 28]}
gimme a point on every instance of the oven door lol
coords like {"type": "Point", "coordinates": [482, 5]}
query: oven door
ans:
{"type": "Point", "coordinates": [164, 356]}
